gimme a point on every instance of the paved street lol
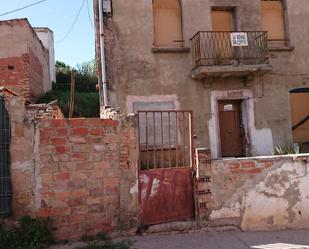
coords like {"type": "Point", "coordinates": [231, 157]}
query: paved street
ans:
{"type": "Point", "coordinates": [223, 240]}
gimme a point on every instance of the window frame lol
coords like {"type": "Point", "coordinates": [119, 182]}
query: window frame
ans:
{"type": "Point", "coordinates": [178, 49]}
{"type": "Point", "coordinates": [287, 43]}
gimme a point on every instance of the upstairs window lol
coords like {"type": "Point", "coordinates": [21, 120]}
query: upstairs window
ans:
{"type": "Point", "coordinates": [167, 23]}
{"type": "Point", "coordinates": [273, 21]}
{"type": "Point", "coordinates": [222, 20]}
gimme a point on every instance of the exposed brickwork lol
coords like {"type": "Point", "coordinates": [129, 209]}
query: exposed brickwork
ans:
{"type": "Point", "coordinates": [14, 74]}
{"type": "Point", "coordinates": [204, 200]}
{"type": "Point", "coordinates": [24, 67]}
{"type": "Point", "coordinates": [225, 175]}
{"type": "Point", "coordinates": [250, 166]}
{"type": "Point", "coordinates": [81, 162]}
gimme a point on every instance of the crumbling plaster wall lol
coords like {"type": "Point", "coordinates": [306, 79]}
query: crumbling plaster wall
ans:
{"type": "Point", "coordinates": [134, 70]}
{"type": "Point", "coordinates": [261, 193]}
{"type": "Point", "coordinates": [22, 157]}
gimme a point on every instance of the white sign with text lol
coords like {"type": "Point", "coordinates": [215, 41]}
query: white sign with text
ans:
{"type": "Point", "coordinates": [239, 39]}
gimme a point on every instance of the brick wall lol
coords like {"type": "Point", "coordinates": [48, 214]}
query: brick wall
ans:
{"type": "Point", "coordinates": [86, 168]}
{"type": "Point", "coordinates": [14, 74]}
{"type": "Point", "coordinates": [204, 200]}
{"type": "Point", "coordinates": [24, 67]}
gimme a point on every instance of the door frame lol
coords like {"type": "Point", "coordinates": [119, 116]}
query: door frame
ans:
{"type": "Point", "coordinates": [247, 113]}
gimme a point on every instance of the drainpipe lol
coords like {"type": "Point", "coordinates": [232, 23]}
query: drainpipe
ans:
{"type": "Point", "coordinates": [102, 51]}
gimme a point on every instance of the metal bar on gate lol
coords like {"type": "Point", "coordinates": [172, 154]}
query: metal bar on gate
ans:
{"type": "Point", "coordinates": [154, 138]}
{"type": "Point", "coordinates": [169, 138]}
{"type": "Point", "coordinates": [191, 138]}
{"type": "Point", "coordinates": [176, 121]}
{"type": "Point", "coordinates": [139, 142]}
{"type": "Point", "coordinates": [162, 142]}
{"type": "Point", "coordinates": [183, 139]}
{"type": "Point", "coordinates": [147, 151]}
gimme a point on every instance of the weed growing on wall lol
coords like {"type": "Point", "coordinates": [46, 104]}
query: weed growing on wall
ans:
{"type": "Point", "coordinates": [31, 233]}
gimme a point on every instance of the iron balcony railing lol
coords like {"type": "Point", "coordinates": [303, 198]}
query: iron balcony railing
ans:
{"type": "Point", "coordinates": [212, 48]}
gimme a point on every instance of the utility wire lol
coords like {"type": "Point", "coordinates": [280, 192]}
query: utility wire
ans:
{"type": "Point", "coordinates": [25, 7]}
{"type": "Point", "coordinates": [74, 22]}
{"type": "Point", "coordinates": [88, 9]}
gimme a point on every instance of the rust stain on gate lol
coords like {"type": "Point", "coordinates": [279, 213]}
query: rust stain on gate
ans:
{"type": "Point", "coordinates": [165, 166]}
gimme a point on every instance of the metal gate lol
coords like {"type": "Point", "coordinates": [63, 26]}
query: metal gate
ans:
{"type": "Point", "coordinates": [5, 179]}
{"type": "Point", "coordinates": [165, 166]}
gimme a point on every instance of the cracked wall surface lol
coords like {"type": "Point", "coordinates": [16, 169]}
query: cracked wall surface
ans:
{"type": "Point", "coordinates": [261, 193]}
{"type": "Point", "coordinates": [135, 70]}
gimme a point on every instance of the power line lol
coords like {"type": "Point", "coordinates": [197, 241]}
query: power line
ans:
{"type": "Point", "coordinates": [88, 9]}
{"type": "Point", "coordinates": [74, 22]}
{"type": "Point", "coordinates": [25, 7]}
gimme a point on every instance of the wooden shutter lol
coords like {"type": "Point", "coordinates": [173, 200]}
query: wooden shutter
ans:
{"type": "Point", "coordinates": [299, 111]}
{"type": "Point", "coordinates": [167, 23]}
{"type": "Point", "coordinates": [273, 19]}
{"type": "Point", "coordinates": [222, 20]}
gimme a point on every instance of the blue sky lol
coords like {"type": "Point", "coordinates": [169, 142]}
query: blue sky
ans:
{"type": "Point", "coordinates": [58, 15]}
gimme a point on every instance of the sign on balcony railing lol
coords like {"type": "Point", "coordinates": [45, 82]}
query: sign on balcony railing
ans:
{"type": "Point", "coordinates": [212, 48]}
{"type": "Point", "coordinates": [239, 39]}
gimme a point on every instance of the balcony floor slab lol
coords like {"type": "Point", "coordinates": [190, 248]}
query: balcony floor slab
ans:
{"type": "Point", "coordinates": [202, 72]}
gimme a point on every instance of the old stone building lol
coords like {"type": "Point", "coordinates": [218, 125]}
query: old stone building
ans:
{"type": "Point", "coordinates": [24, 61]}
{"type": "Point", "coordinates": [233, 63]}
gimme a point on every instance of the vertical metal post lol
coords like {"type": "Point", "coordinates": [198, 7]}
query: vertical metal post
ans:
{"type": "Point", "coordinates": [72, 98]}
{"type": "Point", "coordinates": [147, 151]}
{"type": "Point", "coordinates": [183, 139]}
{"type": "Point", "coordinates": [102, 45]}
{"type": "Point", "coordinates": [154, 138]}
{"type": "Point", "coordinates": [191, 139]}
{"type": "Point", "coordinates": [169, 138]}
{"type": "Point", "coordinates": [162, 142]}
{"type": "Point", "coordinates": [176, 121]}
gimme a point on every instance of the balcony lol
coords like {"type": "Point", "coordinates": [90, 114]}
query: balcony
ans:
{"type": "Point", "coordinates": [224, 54]}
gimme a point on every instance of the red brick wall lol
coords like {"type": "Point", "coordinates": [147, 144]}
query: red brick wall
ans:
{"type": "Point", "coordinates": [23, 75]}
{"type": "Point", "coordinates": [14, 74]}
{"type": "Point", "coordinates": [81, 165]}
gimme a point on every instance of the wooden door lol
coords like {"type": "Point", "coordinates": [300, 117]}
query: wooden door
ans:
{"type": "Point", "coordinates": [230, 128]}
{"type": "Point", "coordinates": [222, 24]}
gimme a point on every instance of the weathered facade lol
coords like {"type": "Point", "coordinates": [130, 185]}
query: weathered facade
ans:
{"type": "Point", "coordinates": [194, 71]}
{"type": "Point", "coordinates": [24, 61]}
{"type": "Point", "coordinates": [47, 37]}
{"type": "Point", "coordinates": [86, 175]}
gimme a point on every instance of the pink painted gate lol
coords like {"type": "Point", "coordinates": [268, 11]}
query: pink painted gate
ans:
{"type": "Point", "coordinates": [165, 166]}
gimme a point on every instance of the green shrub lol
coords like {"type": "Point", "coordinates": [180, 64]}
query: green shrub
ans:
{"type": "Point", "coordinates": [86, 104]}
{"type": "Point", "coordinates": [286, 150]}
{"type": "Point", "coordinates": [30, 234]}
